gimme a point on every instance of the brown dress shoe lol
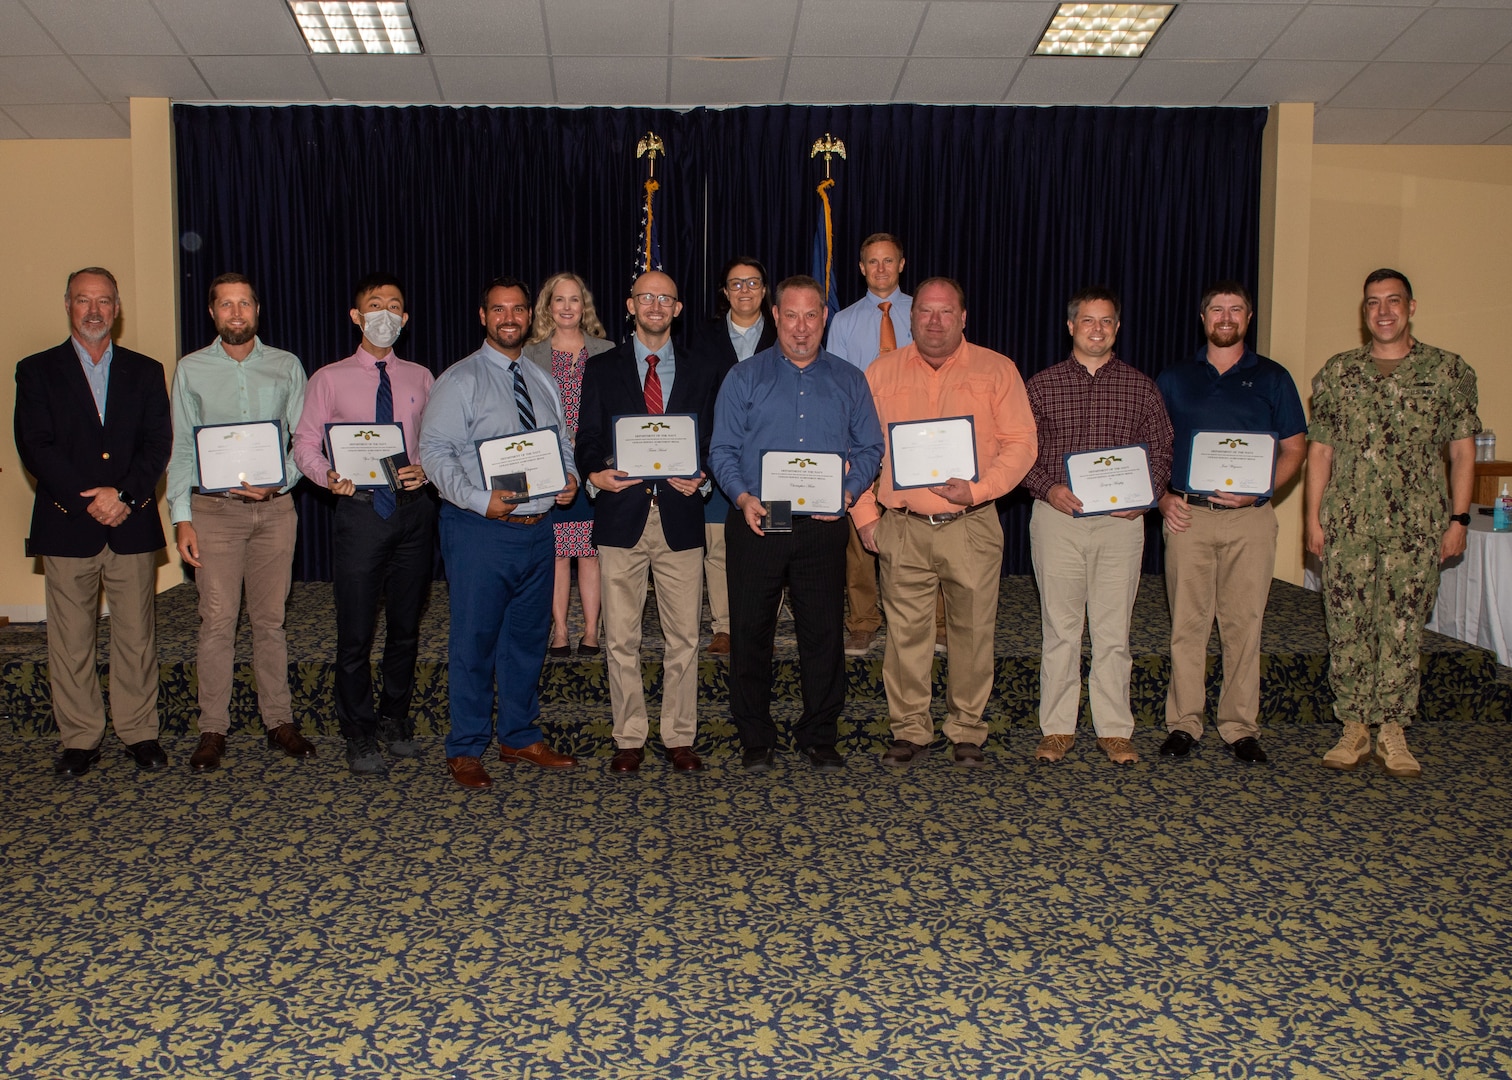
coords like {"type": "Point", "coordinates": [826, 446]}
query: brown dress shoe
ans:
{"type": "Point", "coordinates": [720, 646]}
{"type": "Point", "coordinates": [683, 759]}
{"type": "Point", "coordinates": [469, 772]}
{"type": "Point", "coordinates": [207, 755]}
{"type": "Point", "coordinates": [627, 759]}
{"type": "Point", "coordinates": [538, 753]}
{"type": "Point", "coordinates": [288, 739]}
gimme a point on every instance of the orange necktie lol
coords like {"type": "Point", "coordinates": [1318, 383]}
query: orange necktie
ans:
{"type": "Point", "coordinates": [889, 337]}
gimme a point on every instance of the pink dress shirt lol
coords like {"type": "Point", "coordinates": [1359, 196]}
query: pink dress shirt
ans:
{"type": "Point", "coordinates": [346, 392]}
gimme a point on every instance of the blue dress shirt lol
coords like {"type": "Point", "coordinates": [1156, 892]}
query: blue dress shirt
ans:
{"type": "Point", "coordinates": [97, 374]}
{"type": "Point", "coordinates": [855, 334]}
{"type": "Point", "coordinates": [666, 366]}
{"type": "Point", "coordinates": [745, 341]}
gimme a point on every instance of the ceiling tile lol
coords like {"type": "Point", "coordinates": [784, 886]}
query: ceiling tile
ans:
{"type": "Point", "coordinates": [856, 28]}
{"type": "Point", "coordinates": [378, 78]}
{"type": "Point", "coordinates": [20, 34]}
{"type": "Point", "coordinates": [1400, 86]}
{"type": "Point", "coordinates": [1271, 81]}
{"type": "Point", "coordinates": [482, 28]}
{"type": "Point", "coordinates": [1069, 80]}
{"type": "Point", "coordinates": [611, 80]}
{"type": "Point", "coordinates": [258, 29]}
{"type": "Point", "coordinates": [120, 26]}
{"type": "Point", "coordinates": [719, 28]}
{"type": "Point", "coordinates": [1360, 125]}
{"type": "Point", "coordinates": [70, 121]}
{"type": "Point", "coordinates": [1378, 3]}
{"type": "Point", "coordinates": [9, 129]}
{"type": "Point", "coordinates": [975, 29]}
{"type": "Point", "coordinates": [837, 80]}
{"type": "Point", "coordinates": [726, 82]}
{"type": "Point", "coordinates": [1181, 82]}
{"type": "Point", "coordinates": [938, 80]}
{"type": "Point", "coordinates": [262, 78]}
{"type": "Point", "coordinates": [1325, 32]}
{"type": "Point", "coordinates": [490, 80]}
{"type": "Point", "coordinates": [1487, 87]}
{"type": "Point", "coordinates": [1220, 33]}
{"type": "Point", "coordinates": [593, 28]}
{"type": "Point", "coordinates": [1446, 126]}
{"type": "Point", "coordinates": [1451, 34]}
{"type": "Point", "coordinates": [43, 80]}
{"type": "Point", "coordinates": [120, 77]}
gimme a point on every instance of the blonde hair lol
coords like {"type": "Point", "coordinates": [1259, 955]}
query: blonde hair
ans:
{"type": "Point", "coordinates": [543, 325]}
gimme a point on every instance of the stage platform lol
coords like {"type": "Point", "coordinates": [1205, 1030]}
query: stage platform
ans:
{"type": "Point", "coordinates": [1460, 681]}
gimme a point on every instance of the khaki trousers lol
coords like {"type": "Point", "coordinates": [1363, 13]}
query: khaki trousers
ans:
{"type": "Point", "coordinates": [247, 544]}
{"type": "Point", "coordinates": [862, 615]}
{"type": "Point", "coordinates": [678, 600]}
{"type": "Point", "coordinates": [73, 609]}
{"type": "Point", "coordinates": [1087, 570]}
{"type": "Point", "coordinates": [963, 559]}
{"type": "Point", "coordinates": [1227, 555]}
{"type": "Point", "coordinates": [714, 577]}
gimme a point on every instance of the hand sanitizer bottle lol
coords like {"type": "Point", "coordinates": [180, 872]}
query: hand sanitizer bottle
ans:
{"type": "Point", "coordinates": [1501, 514]}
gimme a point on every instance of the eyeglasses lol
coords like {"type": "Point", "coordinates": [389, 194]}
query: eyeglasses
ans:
{"type": "Point", "coordinates": [750, 284]}
{"type": "Point", "coordinates": [646, 299]}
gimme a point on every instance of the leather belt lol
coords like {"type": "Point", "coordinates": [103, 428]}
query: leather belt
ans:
{"type": "Point", "coordinates": [234, 496]}
{"type": "Point", "coordinates": [1201, 500]}
{"type": "Point", "coordinates": [936, 519]}
{"type": "Point", "coordinates": [526, 519]}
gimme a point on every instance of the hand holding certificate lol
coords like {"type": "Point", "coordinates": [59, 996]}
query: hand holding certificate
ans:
{"type": "Point", "coordinates": [1232, 463]}
{"type": "Point", "coordinates": [358, 451]}
{"type": "Point", "coordinates": [655, 446]}
{"type": "Point", "coordinates": [230, 457]}
{"type": "Point", "coordinates": [535, 455]}
{"type": "Point", "coordinates": [1112, 480]}
{"type": "Point", "coordinates": [927, 453]}
{"type": "Point", "coordinates": [812, 483]}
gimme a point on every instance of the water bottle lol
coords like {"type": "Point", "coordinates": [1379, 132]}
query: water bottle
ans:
{"type": "Point", "coordinates": [1501, 513]}
{"type": "Point", "coordinates": [1485, 446]}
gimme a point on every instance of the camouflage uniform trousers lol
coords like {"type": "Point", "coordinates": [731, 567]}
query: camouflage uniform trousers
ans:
{"type": "Point", "coordinates": [1378, 591]}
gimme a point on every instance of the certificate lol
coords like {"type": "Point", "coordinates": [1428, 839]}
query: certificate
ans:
{"type": "Point", "coordinates": [650, 446]}
{"type": "Point", "coordinates": [358, 450]}
{"type": "Point", "coordinates": [537, 454]}
{"type": "Point", "coordinates": [1110, 480]}
{"type": "Point", "coordinates": [925, 453]}
{"type": "Point", "coordinates": [227, 455]}
{"type": "Point", "coordinates": [811, 482]}
{"type": "Point", "coordinates": [1234, 462]}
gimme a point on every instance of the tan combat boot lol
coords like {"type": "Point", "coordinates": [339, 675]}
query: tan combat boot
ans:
{"type": "Point", "coordinates": [1352, 748]}
{"type": "Point", "coordinates": [1391, 752]}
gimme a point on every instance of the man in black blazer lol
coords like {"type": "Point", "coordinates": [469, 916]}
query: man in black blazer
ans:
{"type": "Point", "coordinates": [92, 426]}
{"type": "Point", "coordinates": [739, 331]}
{"type": "Point", "coordinates": [642, 525]}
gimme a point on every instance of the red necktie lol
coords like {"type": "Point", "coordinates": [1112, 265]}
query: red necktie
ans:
{"type": "Point", "coordinates": [889, 339]}
{"type": "Point", "coordinates": [653, 385]}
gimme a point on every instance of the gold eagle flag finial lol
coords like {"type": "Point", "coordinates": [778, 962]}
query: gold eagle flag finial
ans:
{"type": "Point", "coordinates": [650, 144]}
{"type": "Point", "coordinates": [829, 146]}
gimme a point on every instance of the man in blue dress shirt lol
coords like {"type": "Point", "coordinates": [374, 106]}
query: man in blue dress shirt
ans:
{"type": "Point", "coordinates": [497, 544]}
{"type": "Point", "coordinates": [792, 397]}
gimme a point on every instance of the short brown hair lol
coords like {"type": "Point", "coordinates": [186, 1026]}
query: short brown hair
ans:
{"type": "Point", "coordinates": [797, 281]}
{"type": "Point", "coordinates": [1090, 295]}
{"type": "Point", "coordinates": [97, 271]}
{"type": "Point", "coordinates": [948, 282]}
{"type": "Point", "coordinates": [1226, 287]}
{"type": "Point", "coordinates": [233, 278]}
{"type": "Point", "coordinates": [881, 238]}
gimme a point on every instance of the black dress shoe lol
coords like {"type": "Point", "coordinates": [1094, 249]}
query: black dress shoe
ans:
{"type": "Point", "coordinates": [758, 759]}
{"type": "Point", "coordinates": [1248, 749]}
{"type": "Point", "coordinates": [76, 762]}
{"type": "Point", "coordinates": [559, 652]}
{"type": "Point", "coordinates": [148, 755]}
{"type": "Point", "coordinates": [824, 759]}
{"type": "Point", "coordinates": [1177, 744]}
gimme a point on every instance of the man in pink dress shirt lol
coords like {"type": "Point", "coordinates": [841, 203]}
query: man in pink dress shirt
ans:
{"type": "Point", "coordinates": [383, 539]}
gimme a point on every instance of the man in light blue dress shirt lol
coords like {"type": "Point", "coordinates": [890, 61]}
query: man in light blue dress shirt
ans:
{"type": "Point", "coordinates": [497, 545]}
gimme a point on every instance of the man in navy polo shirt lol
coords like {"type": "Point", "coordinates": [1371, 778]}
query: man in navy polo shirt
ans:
{"type": "Point", "coordinates": [1220, 545]}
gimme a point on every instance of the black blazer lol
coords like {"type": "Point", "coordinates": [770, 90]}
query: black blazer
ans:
{"type": "Point", "coordinates": [712, 341]}
{"type": "Point", "coordinates": [64, 445]}
{"type": "Point", "coordinates": [612, 387]}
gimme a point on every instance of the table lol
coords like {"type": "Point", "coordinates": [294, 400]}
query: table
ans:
{"type": "Point", "coordinates": [1475, 591]}
{"type": "Point", "coordinates": [1488, 478]}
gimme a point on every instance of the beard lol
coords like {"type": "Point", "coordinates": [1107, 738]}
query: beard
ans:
{"type": "Point", "coordinates": [1224, 337]}
{"type": "Point", "coordinates": [239, 337]}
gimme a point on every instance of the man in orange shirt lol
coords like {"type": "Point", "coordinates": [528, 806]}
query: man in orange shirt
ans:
{"type": "Point", "coordinates": [943, 537]}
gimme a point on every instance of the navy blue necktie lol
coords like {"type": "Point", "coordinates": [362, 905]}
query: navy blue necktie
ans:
{"type": "Point", "coordinates": [383, 498]}
{"type": "Point", "coordinates": [522, 399]}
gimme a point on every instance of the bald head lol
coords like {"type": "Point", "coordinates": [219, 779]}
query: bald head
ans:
{"type": "Point", "coordinates": [653, 304]}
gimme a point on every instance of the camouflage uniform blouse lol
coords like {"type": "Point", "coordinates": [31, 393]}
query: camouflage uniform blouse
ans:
{"type": "Point", "coordinates": [1387, 432]}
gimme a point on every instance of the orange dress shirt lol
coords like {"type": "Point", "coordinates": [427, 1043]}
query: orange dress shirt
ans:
{"type": "Point", "coordinates": [974, 382]}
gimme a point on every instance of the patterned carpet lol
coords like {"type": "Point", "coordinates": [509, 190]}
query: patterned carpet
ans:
{"type": "Point", "coordinates": [1198, 919]}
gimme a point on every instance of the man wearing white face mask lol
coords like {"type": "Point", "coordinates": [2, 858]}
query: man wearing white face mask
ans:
{"type": "Point", "coordinates": [382, 543]}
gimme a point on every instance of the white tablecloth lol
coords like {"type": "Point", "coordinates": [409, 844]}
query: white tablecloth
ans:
{"type": "Point", "coordinates": [1475, 591]}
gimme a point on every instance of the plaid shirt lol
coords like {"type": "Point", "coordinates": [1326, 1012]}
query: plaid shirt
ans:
{"type": "Point", "coordinates": [1076, 410]}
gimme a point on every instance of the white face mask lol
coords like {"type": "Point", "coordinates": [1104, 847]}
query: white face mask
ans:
{"type": "Point", "coordinates": [382, 327]}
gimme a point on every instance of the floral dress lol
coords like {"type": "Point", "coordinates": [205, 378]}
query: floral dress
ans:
{"type": "Point", "coordinates": [573, 524]}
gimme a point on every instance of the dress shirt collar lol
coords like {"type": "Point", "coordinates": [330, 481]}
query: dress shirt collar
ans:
{"type": "Point", "coordinates": [664, 355]}
{"type": "Point", "coordinates": [368, 360]}
{"type": "Point", "coordinates": [499, 358]}
{"type": "Point", "coordinates": [218, 348]}
{"type": "Point", "coordinates": [86, 359]}
{"type": "Point", "coordinates": [1078, 368]}
{"type": "Point", "coordinates": [948, 362]}
{"type": "Point", "coordinates": [891, 298]}
{"type": "Point", "coordinates": [1248, 360]}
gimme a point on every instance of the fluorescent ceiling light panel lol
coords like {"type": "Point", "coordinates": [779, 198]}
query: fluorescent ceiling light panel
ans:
{"type": "Point", "coordinates": [1102, 29]}
{"type": "Point", "coordinates": [355, 26]}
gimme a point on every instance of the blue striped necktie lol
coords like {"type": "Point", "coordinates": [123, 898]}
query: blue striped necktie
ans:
{"type": "Point", "coordinates": [522, 399]}
{"type": "Point", "coordinates": [383, 498]}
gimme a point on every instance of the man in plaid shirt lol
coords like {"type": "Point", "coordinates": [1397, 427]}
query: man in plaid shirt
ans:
{"type": "Point", "coordinates": [1088, 567]}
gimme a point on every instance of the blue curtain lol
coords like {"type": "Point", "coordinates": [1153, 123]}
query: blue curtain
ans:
{"type": "Point", "coordinates": [1023, 205]}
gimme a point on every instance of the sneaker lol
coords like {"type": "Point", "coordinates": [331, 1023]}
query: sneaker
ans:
{"type": "Point", "coordinates": [1053, 747]}
{"type": "Point", "coordinates": [1352, 748]}
{"type": "Point", "coordinates": [398, 736]}
{"type": "Point", "coordinates": [859, 642]}
{"type": "Point", "coordinates": [903, 752]}
{"type": "Point", "coordinates": [1119, 751]}
{"type": "Point", "coordinates": [364, 758]}
{"type": "Point", "coordinates": [1391, 752]}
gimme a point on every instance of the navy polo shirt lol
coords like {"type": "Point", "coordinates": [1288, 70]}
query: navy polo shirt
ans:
{"type": "Point", "coordinates": [1256, 394]}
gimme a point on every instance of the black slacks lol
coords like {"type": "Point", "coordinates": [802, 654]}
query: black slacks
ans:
{"type": "Point", "coordinates": [810, 561]}
{"type": "Point", "coordinates": [379, 561]}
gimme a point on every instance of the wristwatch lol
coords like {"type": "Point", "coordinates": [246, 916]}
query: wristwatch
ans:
{"type": "Point", "coordinates": [1462, 519]}
{"type": "Point", "coordinates": [122, 494]}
